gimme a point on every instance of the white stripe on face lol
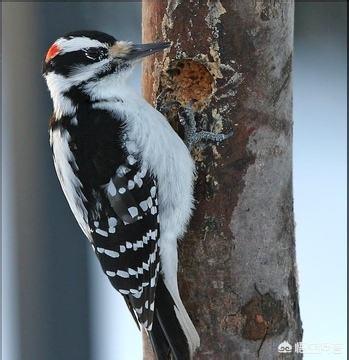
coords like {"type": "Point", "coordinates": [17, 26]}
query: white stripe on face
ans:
{"type": "Point", "coordinates": [58, 83]}
{"type": "Point", "coordinates": [77, 43]}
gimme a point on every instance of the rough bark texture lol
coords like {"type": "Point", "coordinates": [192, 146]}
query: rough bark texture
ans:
{"type": "Point", "coordinates": [237, 273]}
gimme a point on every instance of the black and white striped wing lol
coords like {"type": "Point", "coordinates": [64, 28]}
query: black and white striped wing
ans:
{"type": "Point", "coordinates": [125, 233]}
{"type": "Point", "coordinates": [120, 199]}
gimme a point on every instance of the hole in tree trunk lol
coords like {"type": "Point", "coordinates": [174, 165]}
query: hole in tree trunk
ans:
{"type": "Point", "coordinates": [188, 80]}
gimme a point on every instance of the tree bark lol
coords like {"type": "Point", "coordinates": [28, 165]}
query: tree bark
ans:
{"type": "Point", "coordinates": [237, 275]}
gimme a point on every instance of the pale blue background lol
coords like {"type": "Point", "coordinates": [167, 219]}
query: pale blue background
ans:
{"type": "Point", "coordinates": [320, 171]}
{"type": "Point", "coordinates": [57, 304]}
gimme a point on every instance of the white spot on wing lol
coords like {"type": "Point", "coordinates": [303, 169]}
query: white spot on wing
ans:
{"type": "Point", "coordinates": [132, 272]}
{"type": "Point", "coordinates": [122, 170]}
{"type": "Point", "coordinates": [123, 274]}
{"type": "Point", "coordinates": [130, 185]}
{"type": "Point", "coordinates": [136, 293]}
{"type": "Point", "coordinates": [139, 243]}
{"type": "Point", "coordinates": [111, 188]}
{"type": "Point", "coordinates": [133, 211]}
{"type": "Point", "coordinates": [138, 180]}
{"type": "Point", "coordinates": [153, 191]}
{"type": "Point", "coordinates": [112, 222]}
{"type": "Point", "coordinates": [124, 292]}
{"type": "Point", "coordinates": [102, 232]}
{"type": "Point", "coordinates": [144, 205]}
{"type": "Point", "coordinates": [111, 253]}
{"type": "Point", "coordinates": [154, 234]}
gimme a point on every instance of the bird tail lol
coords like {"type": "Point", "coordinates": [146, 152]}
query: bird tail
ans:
{"type": "Point", "coordinates": [172, 333]}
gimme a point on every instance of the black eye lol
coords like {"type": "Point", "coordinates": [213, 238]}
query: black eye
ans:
{"type": "Point", "coordinates": [95, 53]}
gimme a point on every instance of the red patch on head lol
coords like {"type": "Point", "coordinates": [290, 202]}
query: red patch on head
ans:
{"type": "Point", "coordinates": [52, 52]}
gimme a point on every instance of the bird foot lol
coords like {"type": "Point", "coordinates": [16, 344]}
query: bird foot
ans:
{"type": "Point", "coordinates": [191, 135]}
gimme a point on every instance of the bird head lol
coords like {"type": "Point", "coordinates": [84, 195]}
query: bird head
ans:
{"type": "Point", "coordinates": [91, 62]}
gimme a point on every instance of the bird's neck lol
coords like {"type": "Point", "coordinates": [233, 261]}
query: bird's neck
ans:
{"type": "Point", "coordinates": [68, 92]}
{"type": "Point", "coordinates": [67, 103]}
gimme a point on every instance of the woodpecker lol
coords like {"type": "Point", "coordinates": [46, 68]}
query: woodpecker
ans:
{"type": "Point", "coordinates": [127, 176]}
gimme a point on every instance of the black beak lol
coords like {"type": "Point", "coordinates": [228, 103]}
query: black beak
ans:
{"type": "Point", "coordinates": [139, 51]}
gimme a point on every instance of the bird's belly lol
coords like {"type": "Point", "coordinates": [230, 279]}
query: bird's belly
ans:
{"type": "Point", "coordinates": [169, 159]}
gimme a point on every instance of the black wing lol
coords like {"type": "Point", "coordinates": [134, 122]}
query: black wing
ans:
{"type": "Point", "coordinates": [125, 232]}
{"type": "Point", "coordinates": [122, 206]}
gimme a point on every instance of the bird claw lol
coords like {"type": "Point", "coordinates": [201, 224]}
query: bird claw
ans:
{"type": "Point", "coordinates": [191, 135]}
{"type": "Point", "coordinates": [186, 117]}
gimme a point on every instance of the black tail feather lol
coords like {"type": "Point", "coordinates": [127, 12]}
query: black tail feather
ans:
{"type": "Point", "coordinates": [159, 343]}
{"type": "Point", "coordinates": [167, 331]}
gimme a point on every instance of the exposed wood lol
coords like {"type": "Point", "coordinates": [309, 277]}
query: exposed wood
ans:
{"type": "Point", "coordinates": [237, 264]}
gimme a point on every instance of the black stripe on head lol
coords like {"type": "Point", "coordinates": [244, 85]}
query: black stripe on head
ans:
{"type": "Point", "coordinates": [64, 64]}
{"type": "Point", "coordinates": [92, 34]}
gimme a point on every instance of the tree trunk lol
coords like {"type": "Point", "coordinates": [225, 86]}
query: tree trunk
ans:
{"type": "Point", "coordinates": [237, 275]}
